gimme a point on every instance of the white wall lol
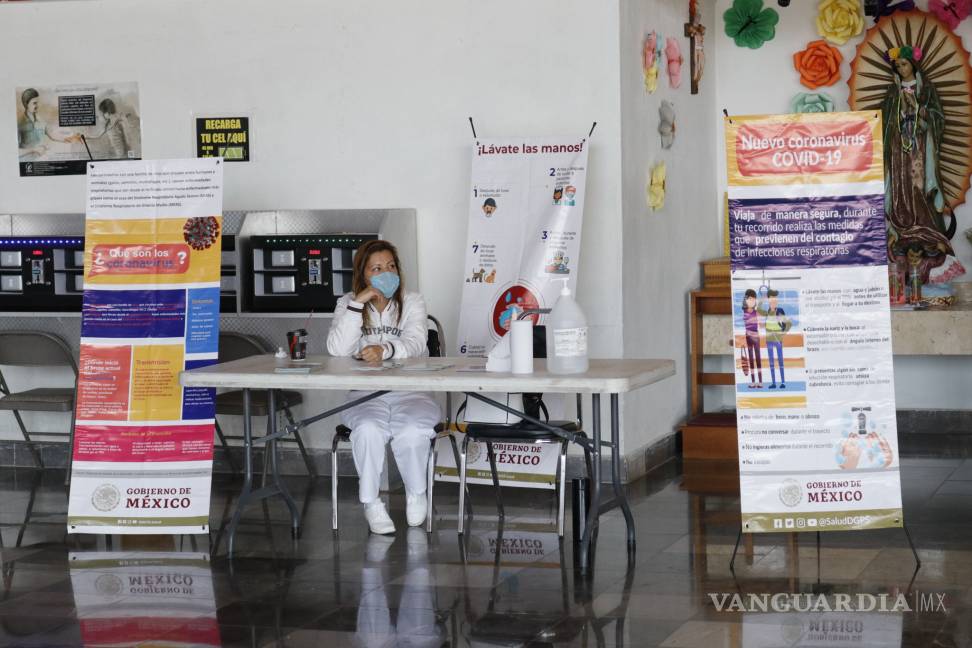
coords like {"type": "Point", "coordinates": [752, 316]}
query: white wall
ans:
{"type": "Point", "coordinates": [764, 81]}
{"type": "Point", "coordinates": [662, 249]}
{"type": "Point", "coordinates": [355, 104]}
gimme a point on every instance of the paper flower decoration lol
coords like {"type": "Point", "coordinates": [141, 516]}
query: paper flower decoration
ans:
{"type": "Point", "coordinates": [673, 56]}
{"type": "Point", "coordinates": [650, 58]}
{"type": "Point", "coordinates": [818, 65]}
{"type": "Point", "coordinates": [950, 12]}
{"type": "Point", "coordinates": [656, 187]}
{"type": "Point", "coordinates": [904, 51]}
{"type": "Point", "coordinates": [749, 24]}
{"type": "Point", "coordinates": [840, 20]}
{"type": "Point", "coordinates": [812, 102]}
{"type": "Point", "coordinates": [666, 124]}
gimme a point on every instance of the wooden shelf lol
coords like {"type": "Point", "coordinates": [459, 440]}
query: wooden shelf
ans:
{"type": "Point", "coordinates": [708, 435]}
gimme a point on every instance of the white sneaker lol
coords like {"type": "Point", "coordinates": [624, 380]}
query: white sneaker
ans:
{"type": "Point", "coordinates": [416, 508]}
{"type": "Point", "coordinates": [377, 516]}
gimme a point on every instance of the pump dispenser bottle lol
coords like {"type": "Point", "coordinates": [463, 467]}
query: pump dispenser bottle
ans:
{"type": "Point", "coordinates": [566, 336]}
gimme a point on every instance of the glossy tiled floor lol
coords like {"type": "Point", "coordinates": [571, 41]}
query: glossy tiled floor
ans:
{"type": "Point", "coordinates": [426, 590]}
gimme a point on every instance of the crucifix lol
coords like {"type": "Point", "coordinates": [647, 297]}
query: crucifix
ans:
{"type": "Point", "coordinates": [695, 31]}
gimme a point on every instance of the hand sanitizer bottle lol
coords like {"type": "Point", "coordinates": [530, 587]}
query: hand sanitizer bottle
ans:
{"type": "Point", "coordinates": [566, 336]}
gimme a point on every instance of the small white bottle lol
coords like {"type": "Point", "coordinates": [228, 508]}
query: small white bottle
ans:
{"type": "Point", "coordinates": [566, 336]}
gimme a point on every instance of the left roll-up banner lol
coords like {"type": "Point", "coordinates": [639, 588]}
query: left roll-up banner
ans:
{"type": "Point", "coordinates": [143, 444]}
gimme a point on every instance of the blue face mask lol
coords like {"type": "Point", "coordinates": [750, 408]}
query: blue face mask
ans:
{"type": "Point", "coordinates": [386, 283]}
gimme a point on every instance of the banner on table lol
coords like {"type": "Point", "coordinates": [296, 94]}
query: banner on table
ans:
{"type": "Point", "coordinates": [143, 445]}
{"type": "Point", "coordinates": [61, 128]}
{"type": "Point", "coordinates": [525, 213]}
{"type": "Point", "coordinates": [144, 598]}
{"type": "Point", "coordinates": [517, 464]}
{"type": "Point", "coordinates": [817, 433]}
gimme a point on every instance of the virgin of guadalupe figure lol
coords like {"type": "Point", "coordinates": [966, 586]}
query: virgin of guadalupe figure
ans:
{"type": "Point", "coordinates": [914, 203]}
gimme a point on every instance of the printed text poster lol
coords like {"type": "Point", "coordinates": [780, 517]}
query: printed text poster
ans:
{"type": "Point", "coordinates": [225, 137]}
{"type": "Point", "coordinates": [60, 129]}
{"type": "Point", "coordinates": [815, 406]}
{"type": "Point", "coordinates": [143, 444]}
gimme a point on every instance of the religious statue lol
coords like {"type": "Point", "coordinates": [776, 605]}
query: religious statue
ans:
{"type": "Point", "coordinates": [695, 31]}
{"type": "Point", "coordinates": [915, 204]}
{"type": "Point", "coordinates": [914, 70]}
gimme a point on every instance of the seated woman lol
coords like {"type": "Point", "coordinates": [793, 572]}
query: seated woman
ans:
{"type": "Point", "coordinates": [379, 321]}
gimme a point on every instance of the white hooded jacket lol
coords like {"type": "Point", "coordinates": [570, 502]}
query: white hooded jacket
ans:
{"type": "Point", "coordinates": [404, 337]}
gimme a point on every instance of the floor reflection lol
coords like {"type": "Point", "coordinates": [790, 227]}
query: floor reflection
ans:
{"type": "Point", "coordinates": [408, 613]}
{"type": "Point", "coordinates": [142, 598]}
{"type": "Point", "coordinates": [499, 585]}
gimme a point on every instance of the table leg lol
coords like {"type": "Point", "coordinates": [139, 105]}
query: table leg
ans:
{"type": "Point", "coordinates": [595, 503]}
{"type": "Point", "coordinates": [244, 498]}
{"type": "Point", "coordinates": [616, 473]}
{"type": "Point", "coordinates": [274, 467]}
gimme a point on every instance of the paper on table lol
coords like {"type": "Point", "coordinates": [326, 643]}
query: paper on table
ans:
{"type": "Point", "coordinates": [426, 366]}
{"type": "Point", "coordinates": [296, 367]}
{"type": "Point", "coordinates": [292, 370]}
{"type": "Point", "coordinates": [384, 366]}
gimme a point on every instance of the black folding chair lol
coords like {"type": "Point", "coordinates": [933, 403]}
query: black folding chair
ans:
{"type": "Point", "coordinates": [523, 432]}
{"type": "Point", "coordinates": [35, 349]}
{"type": "Point", "coordinates": [235, 346]}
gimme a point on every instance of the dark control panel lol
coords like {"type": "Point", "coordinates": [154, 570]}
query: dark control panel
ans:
{"type": "Point", "coordinates": [41, 273]}
{"type": "Point", "coordinates": [300, 272]}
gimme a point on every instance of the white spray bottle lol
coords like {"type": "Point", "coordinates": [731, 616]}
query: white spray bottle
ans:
{"type": "Point", "coordinates": [566, 335]}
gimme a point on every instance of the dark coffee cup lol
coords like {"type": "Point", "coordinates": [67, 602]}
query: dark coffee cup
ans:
{"type": "Point", "coordinates": [297, 344]}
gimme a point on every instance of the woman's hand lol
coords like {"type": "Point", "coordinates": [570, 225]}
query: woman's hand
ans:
{"type": "Point", "coordinates": [366, 295]}
{"type": "Point", "coordinates": [373, 353]}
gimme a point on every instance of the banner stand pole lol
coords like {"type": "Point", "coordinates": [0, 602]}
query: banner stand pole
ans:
{"type": "Point", "coordinates": [732, 561]}
{"type": "Point", "coordinates": [914, 551]}
{"type": "Point", "coordinates": [912, 545]}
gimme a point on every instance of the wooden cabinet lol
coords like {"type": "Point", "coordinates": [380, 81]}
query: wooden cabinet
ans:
{"type": "Point", "coordinates": [708, 435]}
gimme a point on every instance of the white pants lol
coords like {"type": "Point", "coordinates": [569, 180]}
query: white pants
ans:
{"type": "Point", "coordinates": [407, 420]}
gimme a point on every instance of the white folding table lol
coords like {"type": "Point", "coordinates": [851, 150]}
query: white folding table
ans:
{"type": "Point", "coordinates": [611, 377]}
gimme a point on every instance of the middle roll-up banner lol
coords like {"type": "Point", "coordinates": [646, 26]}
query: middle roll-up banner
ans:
{"type": "Point", "coordinates": [815, 408]}
{"type": "Point", "coordinates": [526, 208]}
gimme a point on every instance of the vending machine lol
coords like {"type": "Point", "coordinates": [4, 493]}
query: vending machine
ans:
{"type": "Point", "coordinates": [41, 273]}
{"type": "Point", "coordinates": [297, 273]}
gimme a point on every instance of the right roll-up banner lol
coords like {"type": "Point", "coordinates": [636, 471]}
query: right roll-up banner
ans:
{"type": "Point", "coordinates": [818, 447]}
